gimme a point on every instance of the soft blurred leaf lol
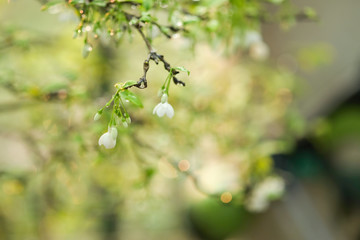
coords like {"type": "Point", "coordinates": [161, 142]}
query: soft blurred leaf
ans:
{"type": "Point", "coordinates": [131, 97]}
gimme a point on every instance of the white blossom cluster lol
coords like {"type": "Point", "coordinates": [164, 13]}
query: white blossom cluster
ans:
{"type": "Point", "coordinates": [108, 139]}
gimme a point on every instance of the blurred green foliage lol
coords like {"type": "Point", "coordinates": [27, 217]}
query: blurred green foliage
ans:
{"type": "Point", "coordinates": [57, 183]}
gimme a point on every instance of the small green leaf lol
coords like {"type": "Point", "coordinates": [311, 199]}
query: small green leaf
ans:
{"type": "Point", "coordinates": [128, 83]}
{"type": "Point", "coordinates": [213, 25]}
{"type": "Point", "coordinates": [147, 4]}
{"type": "Point", "coordinates": [131, 97]}
{"type": "Point", "coordinates": [145, 17]}
{"type": "Point", "coordinates": [50, 4]}
{"type": "Point", "coordinates": [182, 69]}
{"type": "Point", "coordinates": [165, 30]}
{"type": "Point", "coordinates": [133, 21]}
{"type": "Point", "coordinates": [99, 3]}
{"type": "Point", "coordinates": [214, 3]}
{"type": "Point", "coordinates": [73, 2]}
{"type": "Point", "coordinates": [310, 12]}
{"type": "Point", "coordinates": [190, 19]}
{"type": "Point", "coordinates": [276, 1]}
{"type": "Point", "coordinates": [149, 172]}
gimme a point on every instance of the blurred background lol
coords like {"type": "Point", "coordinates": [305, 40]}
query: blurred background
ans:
{"type": "Point", "coordinates": [289, 125]}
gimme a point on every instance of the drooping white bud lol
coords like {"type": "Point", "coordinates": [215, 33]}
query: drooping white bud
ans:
{"type": "Point", "coordinates": [164, 109]}
{"type": "Point", "coordinates": [97, 116]}
{"type": "Point", "coordinates": [128, 120]}
{"type": "Point", "coordinates": [164, 98]}
{"type": "Point", "coordinates": [108, 139]}
{"type": "Point", "coordinates": [113, 132]}
{"type": "Point", "coordinates": [86, 50]}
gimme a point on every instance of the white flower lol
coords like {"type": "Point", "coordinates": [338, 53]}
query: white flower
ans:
{"type": "Point", "coordinates": [251, 37]}
{"type": "Point", "coordinates": [259, 51]}
{"type": "Point", "coordinates": [270, 189]}
{"type": "Point", "coordinates": [108, 139]}
{"type": "Point", "coordinates": [164, 108]}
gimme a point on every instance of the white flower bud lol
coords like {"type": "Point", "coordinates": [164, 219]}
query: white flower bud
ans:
{"type": "Point", "coordinates": [128, 120]}
{"type": "Point", "coordinates": [113, 132]}
{"type": "Point", "coordinates": [86, 50]}
{"type": "Point", "coordinates": [118, 120]}
{"type": "Point", "coordinates": [251, 37]}
{"type": "Point", "coordinates": [164, 98]}
{"type": "Point", "coordinates": [108, 139]}
{"type": "Point", "coordinates": [97, 116]}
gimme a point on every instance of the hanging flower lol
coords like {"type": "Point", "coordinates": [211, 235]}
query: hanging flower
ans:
{"type": "Point", "coordinates": [97, 116]}
{"type": "Point", "coordinates": [108, 139]}
{"type": "Point", "coordinates": [164, 108]}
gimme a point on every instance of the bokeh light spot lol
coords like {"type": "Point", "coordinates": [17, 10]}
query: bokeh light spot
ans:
{"type": "Point", "coordinates": [226, 197]}
{"type": "Point", "coordinates": [184, 165]}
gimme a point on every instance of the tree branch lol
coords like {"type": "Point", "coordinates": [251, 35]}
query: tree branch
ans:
{"type": "Point", "coordinates": [153, 55]}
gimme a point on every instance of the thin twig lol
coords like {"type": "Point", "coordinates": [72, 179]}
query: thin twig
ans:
{"type": "Point", "coordinates": [153, 55]}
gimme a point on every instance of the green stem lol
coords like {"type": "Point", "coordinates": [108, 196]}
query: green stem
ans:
{"type": "Point", "coordinates": [167, 83]}
{"type": "Point", "coordinates": [123, 105]}
{"type": "Point", "coordinates": [110, 101]}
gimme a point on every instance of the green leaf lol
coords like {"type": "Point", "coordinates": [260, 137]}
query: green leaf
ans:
{"type": "Point", "coordinates": [133, 21]}
{"type": "Point", "coordinates": [310, 12]}
{"type": "Point", "coordinates": [147, 4]}
{"type": "Point", "coordinates": [214, 3]}
{"type": "Point", "coordinates": [131, 97]}
{"type": "Point", "coordinates": [190, 19]}
{"type": "Point", "coordinates": [182, 69]}
{"type": "Point", "coordinates": [165, 30]}
{"type": "Point", "coordinates": [276, 1]}
{"type": "Point", "coordinates": [50, 4]}
{"type": "Point", "coordinates": [73, 2]}
{"type": "Point", "coordinates": [100, 3]}
{"type": "Point", "coordinates": [145, 17]}
{"type": "Point", "coordinates": [128, 83]}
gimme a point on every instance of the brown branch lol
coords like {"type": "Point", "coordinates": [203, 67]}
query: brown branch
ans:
{"type": "Point", "coordinates": [153, 55]}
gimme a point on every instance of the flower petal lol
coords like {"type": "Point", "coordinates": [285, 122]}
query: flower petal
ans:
{"type": "Point", "coordinates": [156, 107]}
{"type": "Point", "coordinates": [101, 139]}
{"type": "Point", "coordinates": [107, 141]}
{"type": "Point", "coordinates": [161, 110]}
{"type": "Point", "coordinates": [169, 110]}
{"type": "Point", "coordinates": [113, 132]}
{"type": "Point", "coordinates": [110, 144]}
